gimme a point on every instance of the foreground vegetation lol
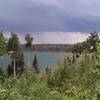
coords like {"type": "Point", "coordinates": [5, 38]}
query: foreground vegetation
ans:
{"type": "Point", "coordinates": [71, 81]}
{"type": "Point", "coordinates": [76, 78]}
{"type": "Point", "coordinates": [29, 87]}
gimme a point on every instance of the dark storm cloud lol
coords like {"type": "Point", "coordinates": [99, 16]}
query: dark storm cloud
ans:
{"type": "Point", "coordinates": [49, 15]}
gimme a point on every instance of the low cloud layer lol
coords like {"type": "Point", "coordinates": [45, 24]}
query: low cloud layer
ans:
{"type": "Point", "coordinates": [54, 37]}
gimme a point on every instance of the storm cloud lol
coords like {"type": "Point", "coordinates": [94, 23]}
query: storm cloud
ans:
{"type": "Point", "coordinates": [50, 15]}
{"type": "Point", "coordinates": [68, 21]}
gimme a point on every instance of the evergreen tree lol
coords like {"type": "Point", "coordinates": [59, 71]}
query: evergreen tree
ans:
{"type": "Point", "coordinates": [2, 52]}
{"type": "Point", "coordinates": [13, 43]}
{"type": "Point", "coordinates": [92, 40]}
{"type": "Point", "coordinates": [88, 46]}
{"type": "Point", "coordinates": [17, 56]}
{"type": "Point", "coordinates": [28, 40]}
{"type": "Point", "coordinates": [35, 65]}
{"type": "Point", "coordinates": [9, 70]}
{"type": "Point", "coordinates": [77, 48]}
{"type": "Point", "coordinates": [2, 44]}
{"type": "Point", "coordinates": [73, 59]}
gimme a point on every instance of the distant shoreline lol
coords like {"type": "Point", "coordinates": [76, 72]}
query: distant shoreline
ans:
{"type": "Point", "coordinates": [49, 47]}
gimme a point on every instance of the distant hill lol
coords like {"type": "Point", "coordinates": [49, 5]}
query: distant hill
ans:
{"type": "Point", "coordinates": [49, 47]}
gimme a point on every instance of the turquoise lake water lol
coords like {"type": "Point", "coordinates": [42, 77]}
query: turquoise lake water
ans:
{"type": "Point", "coordinates": [45, 59]}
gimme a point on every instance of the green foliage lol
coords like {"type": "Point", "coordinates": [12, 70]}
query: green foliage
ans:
{"type": "Point", "coordinates": [87, 46]}
{"type": "Point", "coordinates": [19, 62]}
{"type": "Point", "coordinates": [73, 59]}
{"type": "Point", "coordinates": [28, 88]}
{"type": "Point", "coordinates": [2, 44]}
{"type": "Point", "coordinates": [77, 78]}
{"type": "Point", "coordinates": [17, 55]}
{"type": "Point", "coordinates": [71, 81]}
{"type": "Point", "coordinates": [2, 75]}
{"type": "Point", "coordinates": [13, 42]}
{"type": "Point", "coordinates": [78, 48]}
{"type": "Point", "coordinates": [29, 40]}
{"type": "Point", "coordinates": [97, 68]}
{"type": "Point", "coordinates": [35, 65]}
{"type": "Point", "coordinates": [92, 40]}
{"type": "Point", "coordinates": [76, 81]}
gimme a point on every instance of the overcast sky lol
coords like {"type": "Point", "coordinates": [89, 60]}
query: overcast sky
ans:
{"type": "Point", "coordinates": [51, 18]}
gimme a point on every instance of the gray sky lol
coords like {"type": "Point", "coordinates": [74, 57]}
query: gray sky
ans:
{"type": "Point", "coordinates": [50, 16]}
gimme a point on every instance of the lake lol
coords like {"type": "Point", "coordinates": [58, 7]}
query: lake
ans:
{"type": "Point", "coordinates": [45, 59]}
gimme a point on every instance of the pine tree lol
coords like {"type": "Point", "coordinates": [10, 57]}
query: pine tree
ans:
{"type": "Point", "coordinates": [92, 40]}
{"type": "Point", "coordinates": [17, 56]}
{"type": "Point", "coordinates": [35, 65]}
{"type": "Point", "coordinates": [73, 59]}
{"type": "Point", "coordinates": [9, 70]}
{"type": "Point", "coordinates": [2, 44]}
{"type": "Point", "coordinates": [13, 43]}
